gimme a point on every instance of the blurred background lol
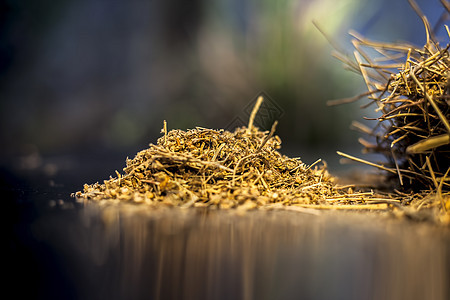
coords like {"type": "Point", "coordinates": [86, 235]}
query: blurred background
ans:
{"type": "Point", "coordinates": [86, 83]}
{"type": "Point", "coordinates": [98, 77]}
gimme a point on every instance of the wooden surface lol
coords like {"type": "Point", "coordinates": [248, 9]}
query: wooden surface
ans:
{"type": "Point", "coordinates": [129, 252]}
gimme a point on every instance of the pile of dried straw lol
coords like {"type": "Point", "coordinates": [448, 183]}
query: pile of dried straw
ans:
{"type": "Point", "coordinates": [217, 168]}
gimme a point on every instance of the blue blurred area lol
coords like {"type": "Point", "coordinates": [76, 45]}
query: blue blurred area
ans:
{"type": "Point", "coordinates": [78, 76]}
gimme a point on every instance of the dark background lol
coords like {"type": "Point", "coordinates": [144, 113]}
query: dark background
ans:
{"type": "Point", "coordinates": [98, 77]}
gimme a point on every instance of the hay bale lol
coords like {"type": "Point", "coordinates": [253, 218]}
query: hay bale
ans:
{"type": "Point", "coordinates": [410, 88]}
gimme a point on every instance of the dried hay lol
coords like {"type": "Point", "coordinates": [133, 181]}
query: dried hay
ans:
{"type": "Point", "coordinates": [221, 169]}
{"type": "Point", "coordinates": [411, 90]}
